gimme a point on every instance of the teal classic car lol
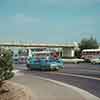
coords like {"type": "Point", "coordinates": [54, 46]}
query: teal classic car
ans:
{"type": "Point", "coordinates": [45, 64]}
{"type": "Point", "coordinates": [44, 60]}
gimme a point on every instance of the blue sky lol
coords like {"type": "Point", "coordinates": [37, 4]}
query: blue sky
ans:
{"type": "Point", "coordinates": [49, 21]}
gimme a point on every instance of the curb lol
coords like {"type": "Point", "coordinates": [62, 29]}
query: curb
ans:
{"type": "Point", "coordinates": [17, 72]}
{"type": "Point", "coordinates": [85, 94]}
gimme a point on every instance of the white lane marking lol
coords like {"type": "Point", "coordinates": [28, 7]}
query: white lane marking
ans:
{"type": "Point", "coordinates": [18, 73]}
{"type": "Point", "coordinates": [15, 71]}
{"type": "Point", "coordinates": [74, 75]}
{"type": "Point", "coordinates": [85, 94]}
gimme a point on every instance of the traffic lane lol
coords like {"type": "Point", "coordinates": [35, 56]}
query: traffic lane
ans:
{"type": "Point", "coordinates": [82, 69]}
{"type": "Point", "coordinates": [71, 66]}
{"type": "Point", "coordinates": [79, 69]}
{"type": "Point", "coordinates": [85, 72]}
{"type": "Point", "coordinates": [82, 66]}
{"type": "Point", "coordinates": [90, 85]}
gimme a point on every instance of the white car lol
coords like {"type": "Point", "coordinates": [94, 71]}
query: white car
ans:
{"type": "Point", "coordinates": [75, 60]}
{"type": "Point", "coordinates": [95, 61]}
{"type": "Point", "coordinates": [15, 59]}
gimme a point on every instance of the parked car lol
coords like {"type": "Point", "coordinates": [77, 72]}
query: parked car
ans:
{"type": "Point", "coordinates": [95, 61]}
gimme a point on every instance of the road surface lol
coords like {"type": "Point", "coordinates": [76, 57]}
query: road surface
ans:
{"type": "Point", "coordinates": [84, 76]}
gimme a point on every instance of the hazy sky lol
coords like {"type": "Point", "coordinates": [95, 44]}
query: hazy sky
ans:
{"type": "Point", "coordinates": [50, 21]}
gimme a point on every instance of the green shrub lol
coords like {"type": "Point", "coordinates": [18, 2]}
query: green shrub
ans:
{"type": "Point", "coordinates": [6, 65]}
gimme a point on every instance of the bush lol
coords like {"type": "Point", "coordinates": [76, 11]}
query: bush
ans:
{"type": "Point", "coordinates": [77, 53]}
{"type": "Point", "coordinates": [88, 43]}
{"type": "Point", "coordinates": [6, 65]}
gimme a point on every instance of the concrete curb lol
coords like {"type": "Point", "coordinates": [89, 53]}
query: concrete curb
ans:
{"type": "Point", "coordinates": [85, 94]}
{"type": "Point", "coordinates": [17, 72]}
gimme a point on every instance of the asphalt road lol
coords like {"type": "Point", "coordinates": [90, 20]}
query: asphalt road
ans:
{"type": "Point", "coordinates": [68, 75]}
{"type": "Point", "coordinates": [83, 69]}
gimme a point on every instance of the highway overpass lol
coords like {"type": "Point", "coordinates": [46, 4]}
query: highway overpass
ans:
{"type": "Point", "coordinates": [67, 48]}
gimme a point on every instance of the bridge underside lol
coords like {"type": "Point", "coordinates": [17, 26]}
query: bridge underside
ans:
{"type": "Point", "coordinates": [67, 51]}
{"type": "Point", "coordinates": [27, 45]}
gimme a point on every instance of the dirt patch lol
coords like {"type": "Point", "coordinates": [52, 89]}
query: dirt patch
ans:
{"type": "Point", "coordinates": [16, 92]}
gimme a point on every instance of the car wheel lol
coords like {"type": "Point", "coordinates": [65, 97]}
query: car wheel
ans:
{"type": "Point", "coordinates": [57, 68]}
{"type": "Point", "coordinates": [29, 67]}
{"type": "Point", "coordinates": [42, 69]}
{"type": "Point", "coordinates": [75, 62]}
{"type": "Point", "coordinates": [94, 62]}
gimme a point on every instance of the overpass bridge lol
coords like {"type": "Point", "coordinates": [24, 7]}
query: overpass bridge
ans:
{"type": "Point", "coordinates": [68, 49]}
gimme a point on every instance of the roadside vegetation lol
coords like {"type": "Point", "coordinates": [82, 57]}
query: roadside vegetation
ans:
{"type": "Point", "coordinates": [86, 43]}
{"type": "Point", "coordinates": [6, 67]}
{"type": "Point", "coordinates": [10, 90]}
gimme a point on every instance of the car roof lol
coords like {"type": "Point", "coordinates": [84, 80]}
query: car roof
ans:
{"type": "Point", "coordinates": [91, 50]}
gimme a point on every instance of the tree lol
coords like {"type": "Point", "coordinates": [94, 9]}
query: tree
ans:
{"type": "Point", "coordinates": [20, 51]}
{"type": "Point", "coordinates": [90, 43]}
{"type": "Point", "coordinates": [77, 53]}
{"type": "Point", "coordinates": [87, 43]}
{"type": "Point", "coordinates": [6, 65]}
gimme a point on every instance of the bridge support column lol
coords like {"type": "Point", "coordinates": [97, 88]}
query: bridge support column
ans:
{"type": "Point", "coordinates": [68, 52]}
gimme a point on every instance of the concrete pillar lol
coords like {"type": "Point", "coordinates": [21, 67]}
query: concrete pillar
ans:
{"type": "Point", "coordinates": [68, 52]}
{"type": "Point", "coordinates": [73, 52]}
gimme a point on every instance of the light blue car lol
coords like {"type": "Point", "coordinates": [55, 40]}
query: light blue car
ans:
{"type": "Point", "coordinates": [44, 64]}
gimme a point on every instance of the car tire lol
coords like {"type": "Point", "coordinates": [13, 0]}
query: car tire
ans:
{"type": "Point", "coordinates": [75, 63]}
{"type": "Point", "coordinates": [94, 62]}
{"type": "Point", "coordinates": [29, 67]}
{"type": "Point", "coordinates": [42, 69]}
{"type": "Point", "coordinates": [57, 68]}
